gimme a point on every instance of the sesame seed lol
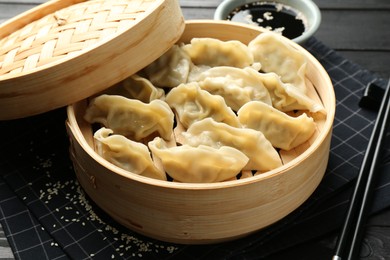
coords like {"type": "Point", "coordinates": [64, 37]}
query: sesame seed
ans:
{"type": "Point", "coordinates": [78, 205]}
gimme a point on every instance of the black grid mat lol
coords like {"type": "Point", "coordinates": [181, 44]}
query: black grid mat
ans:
{"type": "Point", "coordinates": [46, 215]}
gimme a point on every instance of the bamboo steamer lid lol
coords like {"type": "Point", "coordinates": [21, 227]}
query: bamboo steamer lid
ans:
{"type": "Point", "coordinates": [66, 50]}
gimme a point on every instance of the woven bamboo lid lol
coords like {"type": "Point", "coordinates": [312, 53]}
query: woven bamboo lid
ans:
{"type": "Point", "coordinates": [66, 50]}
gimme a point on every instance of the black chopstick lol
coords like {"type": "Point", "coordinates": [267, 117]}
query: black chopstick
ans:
{"type": "Point", "coordinates": [348, 245]}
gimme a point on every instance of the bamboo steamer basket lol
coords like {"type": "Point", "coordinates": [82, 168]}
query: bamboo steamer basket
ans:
{"type": "Point", "coordinates": [64, 51]}
{"type": "Point", "coordinates": [214, 212]}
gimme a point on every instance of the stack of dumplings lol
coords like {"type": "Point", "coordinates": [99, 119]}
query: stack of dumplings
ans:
{"type": "Point", "coordinates": [207, 111]}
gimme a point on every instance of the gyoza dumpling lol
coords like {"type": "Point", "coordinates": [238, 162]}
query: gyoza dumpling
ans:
{"type": "Point", "coordinates": [202, 164]}
{"type": "Point", "coordinates": [277, 55]}
{"type": "Point", "coordinates": [196, 71]}
{"type": "Point", "coordinates": [285, 97]}
{"type": "Point", "coordinates": [262, 155]}
{"type": "Point", "coordinates": [137, 87]}
{"type": "Point", "coordinates": [236, 86]}
{"type": "Point", "coordinates": [192, 104]}
{"type": "Point", "coordinates": [126, 154]}
{"type": "Point", "coordinates": [171, 69]}
{"type": "Point", "coordinates": [281, 130]}
{"type": "Point", "coordinates": [214, 52]}
{"type": "Point", "coordinates": [131, 118]}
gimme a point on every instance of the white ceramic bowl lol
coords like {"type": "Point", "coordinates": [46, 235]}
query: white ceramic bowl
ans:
{"type": "Point", "coordinates": [307, 7]}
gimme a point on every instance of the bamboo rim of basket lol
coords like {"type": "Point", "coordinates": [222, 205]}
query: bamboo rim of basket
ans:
{"type": "Point", "coordinates": [313, 64]}
{"type": "Point", "coordinates": [51, 10]}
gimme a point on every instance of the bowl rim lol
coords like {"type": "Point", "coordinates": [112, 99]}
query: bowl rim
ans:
{"type": "Point", "coordinates": [307, 7]}
{"type": "Point", "coordinates": [327, 129]}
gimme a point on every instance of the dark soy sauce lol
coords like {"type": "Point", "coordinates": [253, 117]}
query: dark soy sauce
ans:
{"type": "Point", "coordinates": [273, 16]}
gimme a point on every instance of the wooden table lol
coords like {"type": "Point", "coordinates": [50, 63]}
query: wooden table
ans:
{"type": "Point", "coordinates": [357, 29]}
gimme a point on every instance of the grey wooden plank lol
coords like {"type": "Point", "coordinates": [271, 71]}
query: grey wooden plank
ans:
{"type": "Point", "coordinates": [353, 4]}
{"type": "Point", "coordinates": [202, 3]}
{"type": "Point", "coordinates": [195, 13]}
{"type": "Point", "coordinates": [374, 61]}
{"type": "Point", "coordinates": [8, 11]}
{"type": "Point", "coordinates": [355, 30]}
{"type": "Point", "coordinates": [16, 2]}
